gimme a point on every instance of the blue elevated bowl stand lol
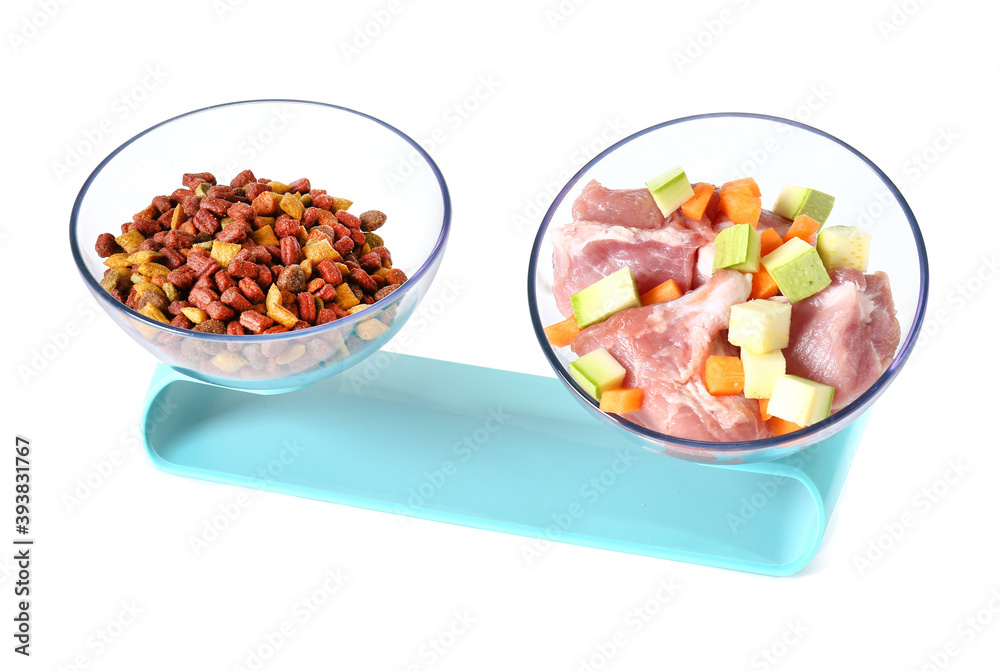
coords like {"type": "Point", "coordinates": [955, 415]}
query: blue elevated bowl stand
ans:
{"type": "Point", "coordinates": [496, 450]}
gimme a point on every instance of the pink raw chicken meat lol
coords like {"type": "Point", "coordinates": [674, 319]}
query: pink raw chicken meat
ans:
{"type": "Point", "coordinates": [663, 348]}
{"type": "Point", "coordinates": [625, 207]}
{"type": "Point", "coordinates": [634, 208]}
{"type": "Point", "coordinates": [846, 335]}
{"type": "Point", "coordinates": [586, 251]}
{"type": "Point", "coordinates": [624, 231]}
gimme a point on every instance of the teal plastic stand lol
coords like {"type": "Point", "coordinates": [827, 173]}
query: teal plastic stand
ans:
{"type": "Point", "coordinates": [496, 450]}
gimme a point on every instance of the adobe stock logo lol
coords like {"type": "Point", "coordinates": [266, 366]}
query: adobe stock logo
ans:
{"type": "Point", "coordinates": [32, 25]}
{"type": "Point", "coordinates": [121, 108]}
{"type": "Point", "coordinates": [370, 30]}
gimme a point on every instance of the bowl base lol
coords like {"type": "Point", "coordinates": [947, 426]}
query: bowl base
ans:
{"type": "Point", "coordinates": [501, 451]}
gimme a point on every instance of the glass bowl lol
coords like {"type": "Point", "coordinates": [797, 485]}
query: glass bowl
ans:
{"type": "Point", "coordinates": [350, 154]}
{"type": "Point", "coordinates": [721, 147]}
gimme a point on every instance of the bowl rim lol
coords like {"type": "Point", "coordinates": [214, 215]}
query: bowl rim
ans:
{"type": "Point", "coordinates": [804, 437]}
{"type": "Point", "coordinates": [337, 324]}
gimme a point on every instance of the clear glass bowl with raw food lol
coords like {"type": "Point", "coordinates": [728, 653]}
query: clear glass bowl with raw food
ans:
{"type": "Point", "coordinates": [721, 147]}
{"type": "Point", "coordinates": [350, 154]}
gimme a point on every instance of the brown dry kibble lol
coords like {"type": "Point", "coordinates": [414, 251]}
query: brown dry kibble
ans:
{"type": "Point", "coordinates": [292, 279]}
{"type": "Point", "coordinates": [267, 204]}
{"type": "Point", "coordinates": [250, 257]}
{"type": "Point", "coordinates": [363, 280]}
{"type": "Point", "coordinates": [210, 326]}
{"type": "Point", "coordinates": [106, 245]}
{"type": "Point", "coordinates": [395, 276]}
{"type": "Point", "coordinates": [385, 291]}
{"type": "Point", "coordinates": [159, 301]}
{"type": "Point", "coordinates": [371, 220]}
{"type": "Point", "coordinates": [300, 185]}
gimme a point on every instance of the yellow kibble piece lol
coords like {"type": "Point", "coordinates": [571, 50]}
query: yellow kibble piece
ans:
{"type": "Point", "coordinates": [150, 268]}
{"type": "Point", "coordinates": [292, 206]}
{"type": "Point", "coordinates": [143, 287]}
{"type": "Point", "coordinates": [130, 241]}
{"type": "Point", "coordinates": [345, 297]}
{"type": "Point", "coordinates": [370, 329]}
{"type": "Point", "coordinates": [276, 311]}
{"type": "Point", "coordinates": [290, 354]}
{"type": "Point", "coordinates": [119, 260]}
{"type": "Point", "coordinates": [171, 292]}
{"type": "Point", "coordinates": [178, 218]}
{"type": "Point", "coordinates": [196, 315]}
{"type": "Point", "coordinates": [320, 250]}
{"type": "Point", "coordinates": [223, 252]}
{"type": "Point", "coordinates": [153, 312]}
{"type": "Point", "coordinates": [139, 258]}
{"type": "Point", "coordinates": [228, 362]}
{"type": "Point", "coordinates": [265, 236]}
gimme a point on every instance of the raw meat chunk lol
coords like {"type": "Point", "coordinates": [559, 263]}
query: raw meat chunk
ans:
{"type": "Point", "coordinates": [663, 348]}
{"type": "Point", "coordinates": [586, 251]}
{"type": "Point", "coordinates": [846, 335]}
{"type": "Point", "coordinates": [625, 207]}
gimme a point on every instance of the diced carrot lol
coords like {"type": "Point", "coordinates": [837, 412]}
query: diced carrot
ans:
{"type": "Point", "coordinates": [780, 427]}
{"type": "Point", "coordinates": [740, 208]}
{"type": "Point", "coordinates": [666, 291]}
{"type": "Point", "coordinates": [724, 375]}
{"type": "Point", "coordinates": [804, 227]}
{"type": "Point", "coordinates": [621, 401]}
{"type": "Point", "coordinates": [562, 334]}
{"type": "Point", "coordinates": [764, 414]}
{"type": "Point", "coordinates": [747, 186]}
{"type": "Point", "coordinates": [763, 285]}
{"type": "Point", "coordinates": [769, 241]}
{"type": "Point", "coordinates": [694, 207]}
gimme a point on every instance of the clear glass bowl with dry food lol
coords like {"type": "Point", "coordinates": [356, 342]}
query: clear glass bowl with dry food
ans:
{"type": "Point", "coordinates": [354, 163]}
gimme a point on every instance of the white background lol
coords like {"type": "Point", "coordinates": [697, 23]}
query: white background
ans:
{"type": "Point", "coordinates": [565, 85]}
